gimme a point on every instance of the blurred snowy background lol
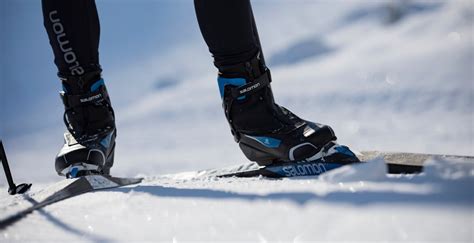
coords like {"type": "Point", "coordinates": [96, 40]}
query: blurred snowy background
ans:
{"type": "Point", "coordinates": [386, 75]}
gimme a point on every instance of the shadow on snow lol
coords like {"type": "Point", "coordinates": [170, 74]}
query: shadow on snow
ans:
{"type": "Point", "coordinates": [67, 228]}
{"type": "Point", "coordinates": [443, 195]}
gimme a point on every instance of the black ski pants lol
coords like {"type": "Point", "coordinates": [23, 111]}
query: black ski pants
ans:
{"type": "Point", "coordinates": [73, 28]}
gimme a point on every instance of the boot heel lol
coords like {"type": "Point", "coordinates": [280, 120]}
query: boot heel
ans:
{"type": "Point", "coordinates": [253, 154]}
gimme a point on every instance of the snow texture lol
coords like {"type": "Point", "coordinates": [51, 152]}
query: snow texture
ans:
{"type": "Point", "coordinates": [353, 203]}
{"type": "Point", "coordinates": [386, 75]}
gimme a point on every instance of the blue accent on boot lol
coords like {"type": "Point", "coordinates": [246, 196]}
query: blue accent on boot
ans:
{"type": "Point", "coordinates": [106, 141]}
{"type": "Point", "coordinates": [222, 82]}
{"type": "Point", "coordinates": [344, 150]}
{"type": "Point", "coordinates": [97, 84]}
{"type": "Point", "coordinates": [266, 141]}
{"type": "Point", "coordinates": [73, 172]}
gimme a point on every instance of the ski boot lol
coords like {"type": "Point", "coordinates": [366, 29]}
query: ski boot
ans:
{"type": "Point", "coordinates": [89, 143]}
{"type": "Point", "coordinates": [266, 132]}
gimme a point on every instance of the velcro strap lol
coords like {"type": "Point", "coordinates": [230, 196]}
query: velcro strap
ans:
{"type": "Point", "coordinates": [252, 87]}
{"type": "Point", "coordinates": [84, 99]}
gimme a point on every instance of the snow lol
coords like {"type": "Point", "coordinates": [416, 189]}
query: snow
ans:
{"type": "Point", "coordinates": [381, 83]}
{"type": "Point", "coordinates": [356, 203]}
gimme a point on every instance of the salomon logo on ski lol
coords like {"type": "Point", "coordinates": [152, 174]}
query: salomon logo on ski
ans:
{"type": "Point", "coordinates": [302, 170]}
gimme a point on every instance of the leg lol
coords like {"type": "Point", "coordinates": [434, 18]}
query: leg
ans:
{"type": "Point", "coordinates": [265, 131]}
{"type": "Point", "coordinates": [73, 31]}
{"type": "Point", "coordinates": [228, 29]}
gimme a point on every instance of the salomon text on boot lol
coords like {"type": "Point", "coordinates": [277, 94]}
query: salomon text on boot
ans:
{"type": "Point", "coordinates": [266, 132]}
{"type": "Point", "coordinates": [90, 140]}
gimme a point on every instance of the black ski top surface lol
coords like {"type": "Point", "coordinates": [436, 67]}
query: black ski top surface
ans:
{"type": "Point", "coordinates": [397, 163]}
{"type": "Point", "coordinates": [289, 169]}
{"type": "Point", "coordinates": [77, 187]}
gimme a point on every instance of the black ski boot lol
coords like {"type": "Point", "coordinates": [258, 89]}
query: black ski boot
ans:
{"type": "Point", "coordinates": [266, 132]}
{"type": "Point", "coordinates": [90, 140]}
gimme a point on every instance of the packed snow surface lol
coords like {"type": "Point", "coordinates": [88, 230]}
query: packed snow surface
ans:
{"type": "Point", "coordinates": [386, 75]}
{"type": "Point", "coordinates": [353, 203]}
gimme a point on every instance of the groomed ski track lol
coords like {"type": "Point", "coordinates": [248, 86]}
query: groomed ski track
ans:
{"type": "Point", "coordinates": [350, 203]}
